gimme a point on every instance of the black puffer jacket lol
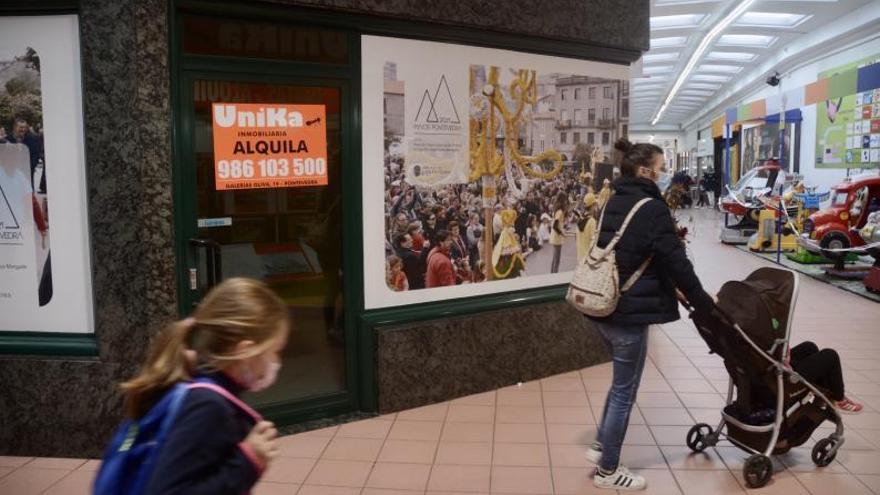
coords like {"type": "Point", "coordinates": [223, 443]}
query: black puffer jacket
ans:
{"type": "Point", "coordinates": [652, 299]}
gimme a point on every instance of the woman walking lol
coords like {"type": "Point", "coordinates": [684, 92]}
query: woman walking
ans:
{"type": "Point", "coordinates": [649, 240]}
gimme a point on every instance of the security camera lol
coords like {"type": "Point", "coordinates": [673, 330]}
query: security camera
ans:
{"type": "Point", "coordinates": [774, 79]}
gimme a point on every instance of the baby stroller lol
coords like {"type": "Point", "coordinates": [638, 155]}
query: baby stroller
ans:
{"type": "Point", "coordinates": [770, 408]}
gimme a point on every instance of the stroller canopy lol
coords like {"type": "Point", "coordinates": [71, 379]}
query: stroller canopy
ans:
{"type": "Point", "coordinates": [761, 304]}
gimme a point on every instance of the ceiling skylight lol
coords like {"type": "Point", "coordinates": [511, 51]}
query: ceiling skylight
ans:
{"type": "Point", "coordinates": [676, 21]}
{"type": "Point", "coordinates": [727, 69]}
{"type": "Point", "coordinates": [668, 42]}
{"type": "Point", "coordinates": [659, 57]}
{"type": "Point", "coordinates": [656, 69]}
{"type": "Point", "coordinates": [696, 85]}
{"type": "Point", "coordinates": [697, 92]}
{"type": "Point", "coordinates": [732, 56]}
{"type": "Point", "coordinates": [771, 19]}
{"type": "Point", "coordinates": [751, 40]}
{"type": "Point", "coordinates": [710, 77]}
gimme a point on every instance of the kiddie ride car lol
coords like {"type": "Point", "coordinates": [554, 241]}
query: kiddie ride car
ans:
{"type": "Point", "coordinates": [834, 232]}
{"type": "Point", "coordinates": [870, 233]}
{"type": "Point", "coordinates": [742, 205]}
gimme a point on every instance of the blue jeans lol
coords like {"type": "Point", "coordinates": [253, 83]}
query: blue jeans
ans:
{"type": "Point", "coordinates": [628, 346]}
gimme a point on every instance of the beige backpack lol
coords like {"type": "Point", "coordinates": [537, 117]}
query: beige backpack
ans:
{"type": "Point", "coordinates": [594, 290]}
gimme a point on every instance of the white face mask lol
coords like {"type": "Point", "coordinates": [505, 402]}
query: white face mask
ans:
{"type": "Point", "coordinates": [663, 180]}
{"type": "Point", "coordinates": [255, 384]}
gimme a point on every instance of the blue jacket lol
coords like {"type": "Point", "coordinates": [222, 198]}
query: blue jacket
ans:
{"type": "Point", "coordinates": [202, 454]}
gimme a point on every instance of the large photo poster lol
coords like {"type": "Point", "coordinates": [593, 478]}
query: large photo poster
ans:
{"type": "Point", "coordinates": [489, 162]}
{"type": "Point", "coordinates": [45, 275]}
{"type": "Point", "coordinates": [848, 127]}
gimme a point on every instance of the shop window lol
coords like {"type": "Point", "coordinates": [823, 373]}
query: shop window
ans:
{"type": "Point", "coordinates": [577, 138]}
{"type": "Point", "coordinates": [606, 113]}
{"type": "Point", "coordinates": [624, 108]}
{"type": "Point", "coordinates": [591, 138]}
{"type": "Point", "coordinates": [592, 93]}
{"type": "Point", "coordinates": [577, 93]}
{"type": "Point", "coordinates": [562, 94]}
{"type": "Point", "coordinates": [607, 90]}
{"type": "Point", "coordinates": [591, 114]}
{"type": "Point", "coordinates": [563, 138]}
{"type": "Point", "coordinates": [606, 138]}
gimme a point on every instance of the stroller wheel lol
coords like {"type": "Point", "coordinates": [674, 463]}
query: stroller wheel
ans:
{"type": "Point", "coordinates": [822, 455]}
{"type": "Point", "coordinates": [699, 437]}
{"type": "Point", "coordinates": [757, 471]}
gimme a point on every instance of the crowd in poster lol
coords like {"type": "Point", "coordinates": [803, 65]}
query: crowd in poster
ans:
{"type": "Point", "coordinates": [488, 168]}
{"type": "Point", "coordinates": [44, 266]}
{"type": "Point", "coordinates": [848, 127]}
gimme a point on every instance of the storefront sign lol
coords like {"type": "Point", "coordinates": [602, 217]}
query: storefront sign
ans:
{"type": "Point", "coordinates": [45, 269]}
{"type": "Point", "coordinates": [261, 145]}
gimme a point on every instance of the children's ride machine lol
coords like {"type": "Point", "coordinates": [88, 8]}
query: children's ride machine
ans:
{"type": "Point", "coordinates": [742, 205]}
{"type": "Point", "coordinates": [870, 233]}
{"type": "Point", "coordinates": [836, 231]}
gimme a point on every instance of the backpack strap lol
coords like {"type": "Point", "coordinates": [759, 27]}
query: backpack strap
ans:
{"type": "Point", "coordinates": [228, 396]}
{"type": "Point", "coordinates": [622, 229]}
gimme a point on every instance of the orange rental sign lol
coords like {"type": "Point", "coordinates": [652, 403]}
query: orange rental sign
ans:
{"type": "Point", "coordinates": [263, 145]}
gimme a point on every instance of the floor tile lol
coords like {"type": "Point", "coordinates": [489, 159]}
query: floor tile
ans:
{"type": "Point", "coordinates": [323, 432]}
{"type": "Point", "coordinates": [483, 399]}
{"type": "Point", "coordinates": [653, 385]}
{"type": "Point", "coordinates": [638, 435]}
{"type": "Point", "coordinates": [575, 481]}
{"type": "Point", "coordinates": [666, 416]}
{"type": "Point", "coordinates": [670, 435]}
{"type": "Point", "coordinates": [657, 399]}
{"type": "Point", "coordinates": [523, 433]}
{"type": "Point", "coordinates": [562, 455]}
{"type": "Point", "coordinates": [783, 483]}
{"type": "Point", "coordinates": [75, 483]}
{"type": "Point", "coordinates": [460, 479]}
{"type": "Point", "coordinates": [464, 413]}
{"type": "Point", "coordinates": [660, 482]}
{"type": "Point", "coordinates": [399, 476]}
{"type": "Point", "coordinates": [799, 460]}
{"type": "Point", "coordinates": [524, 480]}
{"type": "Point", "coordinates": [56, 463]}
{"type": "Point", "coordinates": [691, 385]}
{"type": "Point", "coordinates": [860, 462]}
{"type": "Point", "coordinates": [30, 481]}
{"type": "Point", "coordinates": [303, 446]}
{"type": "Point", "coordinates": [90, 465]}
{"type": "Point", "coordinates": [416, 430]}
{"type": "Point", "coordinates": [328, 490]}
{"type": "Point", "coordinates": [566, 399]}
{"type": "Point", "coordinates": [642, 457]}
{"type": "Point", "coordinates": [267, 488]}
{"type": "Point", "coordinates": [697, 400]}
{"type": "Point", "coordinates": [519, 414]}
{"type": "Point", "coordinates": [571, 434]}
{"type": "Point", "coordinates": [568, 415]}
{"type": "Point", "coordinates": [13, 461]}
{"type": "Point", "coordinates": [519, 398]}
{"type": "Point", "coordinates": [521, 454]}
{"type": "Point", "coordinates": [871, 481]}
{"type": "Point", "coordinates": [832, 483]}
{"type": "Point", "coordinates": [434, 412]}
{"type": "Point", "coordinates": [5, 470]}
{"type": "Point", "coordinates": [467, 432]}
{"type": "Point", "coordinates": [340, 473]}
{"type": "Point", "coordinates": [369, 428]}
{"type": "Point", "coordinates": [681, 457]}
{"type": "Point", "coordinates": [408, 451]}
{"type": "Point", "coordinates": [705, 482]}
{"type": "Point", "coordinates": [562, 385]}
{"type": "Point", "coordinates": [388, 491]}
{"type": "Point", "coordinates": [353, 449]}
{"type": "Point", "coordinates": [288, 470]}
{"type": "Point", "coordinates": [465, 453]}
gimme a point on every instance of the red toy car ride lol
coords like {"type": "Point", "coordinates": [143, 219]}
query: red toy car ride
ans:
{"type": "Point", "coordinates": [837, 226]}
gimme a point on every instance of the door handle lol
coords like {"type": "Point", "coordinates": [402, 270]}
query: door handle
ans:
{"type": "Point", "coordinates": [213, 263]}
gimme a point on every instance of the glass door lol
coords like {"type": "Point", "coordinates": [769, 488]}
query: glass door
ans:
{"type": "Point", "coordinates": [288, 237]}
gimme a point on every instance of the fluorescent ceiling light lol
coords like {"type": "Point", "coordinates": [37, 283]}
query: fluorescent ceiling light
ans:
{"type": "Point", "coordinates": [696, 85]}
{"type": "Point", "coordinates": [752, 40]}
{"type": "Point", "coordinates": [676, 21]}
{"type": "Point", "coordinates": [659, 57]}
{"type": "Point", "coordinates": [698, 53]}
{"type": "Point", "coordinates": [697, 92]}
{"type": "Point", "coordinates": [771, 19]}
{"type": "Point", "coordinates": [732, 56]}
{"type": "Point", "coordinates": [668, 42]}
{"type": "Point", "coordinates": [729, 69]}
{"type": "Point", "coordinates": [710, 77]}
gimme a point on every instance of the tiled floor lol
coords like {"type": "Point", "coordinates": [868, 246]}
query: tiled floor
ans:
{"type": "Point", "coordinates": [529, 439]}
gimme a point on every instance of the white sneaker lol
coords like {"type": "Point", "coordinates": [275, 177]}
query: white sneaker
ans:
{"type": "Point", "coordinates": [621, 479]}
{"type": "Point", "coordinates": [593, 454]}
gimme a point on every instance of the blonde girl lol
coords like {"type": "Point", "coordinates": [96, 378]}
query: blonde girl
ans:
{"type": "Point", "coordinates": [234, 340]}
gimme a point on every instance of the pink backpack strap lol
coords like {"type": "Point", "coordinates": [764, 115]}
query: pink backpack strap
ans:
{"type": "Point", "coordinates": [231, 398]}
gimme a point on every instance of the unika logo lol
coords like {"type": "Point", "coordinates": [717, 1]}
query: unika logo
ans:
{"type": "Point", "coordinates": [437, 112]}
{"type": "Point", "coordinates": [228, 116]}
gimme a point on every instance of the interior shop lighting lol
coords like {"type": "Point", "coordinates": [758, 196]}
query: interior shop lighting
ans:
{"type": "Point", "coordinates": [698, 54]}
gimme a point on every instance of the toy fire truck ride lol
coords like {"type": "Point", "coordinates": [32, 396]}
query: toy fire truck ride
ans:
{"type": "Point", "coordinates": [870, 233]}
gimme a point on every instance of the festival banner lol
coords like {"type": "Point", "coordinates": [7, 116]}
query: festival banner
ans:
{"type": "Point", "coordinates": [261, 145]}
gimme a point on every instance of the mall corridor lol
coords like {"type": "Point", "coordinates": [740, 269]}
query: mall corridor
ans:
{"type": "Point", "coordinates": [529, 439]}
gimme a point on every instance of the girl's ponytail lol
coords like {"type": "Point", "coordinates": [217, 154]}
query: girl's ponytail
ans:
{"type": "Point", "coordinates": [168, 363]}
